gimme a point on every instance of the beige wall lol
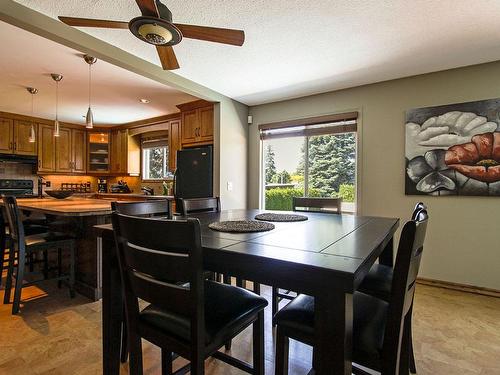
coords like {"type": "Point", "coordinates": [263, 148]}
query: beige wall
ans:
{"type": "Point", "coordinates": [462, 243]}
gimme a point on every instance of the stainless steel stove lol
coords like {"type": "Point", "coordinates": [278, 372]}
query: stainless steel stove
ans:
{"type": "Point", "coordinates": [18, 188]}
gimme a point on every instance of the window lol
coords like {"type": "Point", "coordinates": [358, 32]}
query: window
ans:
{"type": "Point", "coordinates": [155, 159]}
{"type": "Point", "coordinates": [312, 158]}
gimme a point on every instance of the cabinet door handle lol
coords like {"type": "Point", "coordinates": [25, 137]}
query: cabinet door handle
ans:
{"type": "Point", "coordinates": [39, 163]}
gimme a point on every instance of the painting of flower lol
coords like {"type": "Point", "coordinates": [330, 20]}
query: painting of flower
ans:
{"type": "Point", "coordinates": [453, 149]}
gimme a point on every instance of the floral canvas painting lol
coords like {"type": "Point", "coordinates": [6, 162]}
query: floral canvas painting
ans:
{"type": "Point", "coordinates": [453, 149]}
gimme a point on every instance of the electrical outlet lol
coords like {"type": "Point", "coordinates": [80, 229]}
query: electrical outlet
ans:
{"type": "Point", "coordinates": [229, 186]}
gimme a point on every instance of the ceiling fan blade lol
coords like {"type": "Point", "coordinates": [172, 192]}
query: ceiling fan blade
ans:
{"type": "Point", "coordinates": [148, 8]}
{"type": "Point", "coordinates": [212, 34]}
{"type": "Point", "coordinates": [89, 22]}
{"type": "Point", "coordinates": [167, 57]}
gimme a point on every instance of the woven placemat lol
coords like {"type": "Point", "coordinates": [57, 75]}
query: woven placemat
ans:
{"type": "Point", "coordinates": [241, 226]}
{"type": "Point", "coordinates": [280, 217]}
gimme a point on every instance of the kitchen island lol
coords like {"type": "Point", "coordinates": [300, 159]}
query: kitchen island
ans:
{"type": "Point", "coordinates": [78, 216]}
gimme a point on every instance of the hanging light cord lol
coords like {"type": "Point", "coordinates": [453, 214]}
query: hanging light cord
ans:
{"type": "Point", "coordinates": [57, 100]}
{"type": "Point", "coordinates": [90, 80]}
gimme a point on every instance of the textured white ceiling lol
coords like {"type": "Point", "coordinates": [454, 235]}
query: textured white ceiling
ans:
{"type": "Point", "coordinates": [28, 60]}
{"type": "Point", "coordinates": [295, 48]}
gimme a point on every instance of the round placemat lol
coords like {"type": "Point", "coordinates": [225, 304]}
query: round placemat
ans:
{"type": "Point", "coordinates": [280, 217]}
{"type": "Point", "coordinates": [241, 226]}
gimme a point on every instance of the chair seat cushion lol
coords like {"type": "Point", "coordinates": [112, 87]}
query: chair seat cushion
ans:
{"type": "Point", "coordinates": [226, 310]}
{"type": "Point", "coordinates": [369, 321]}
{"type": "Point", "coordinates": [45, 238]}
{"type": "Point", "coordinates": [378, 282]}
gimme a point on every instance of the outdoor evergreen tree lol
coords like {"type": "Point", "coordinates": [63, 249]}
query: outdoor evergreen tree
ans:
{"type": "Point", "coordinates": [270, 164]}
{"type": "Point", "coordinates": [156, 163]}
{"type": "Point", "coordinates": [332, 162]}
{"type": "Point", "coordinates": [282, 177]}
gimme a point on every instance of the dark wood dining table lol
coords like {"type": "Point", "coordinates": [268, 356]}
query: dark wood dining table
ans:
{"type": "Point", "coordinates": [326, 256]}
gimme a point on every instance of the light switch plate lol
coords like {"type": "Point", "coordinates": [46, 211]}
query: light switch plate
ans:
{"type": "Point", "coordinates": [229, 186]}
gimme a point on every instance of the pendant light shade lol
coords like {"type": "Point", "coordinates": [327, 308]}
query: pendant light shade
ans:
{"type": "Point", "coordinates": [89, 118]}
{"type": "Point", "coordinates": [32, 137]}
{"type": "Point", "coordinates": [57, 78]}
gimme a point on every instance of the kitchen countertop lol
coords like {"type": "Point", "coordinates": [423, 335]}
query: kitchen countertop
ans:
{"type": "Point", "coordinates": [73, 206]}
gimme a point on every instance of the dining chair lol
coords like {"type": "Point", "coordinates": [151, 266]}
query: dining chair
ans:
{"type": "Point", "coordinates": [25, 245]}
{"type": "Point", "coordinates": [323, 205]}
{"type": "Point", "coordinates": [193, 205]}
{"type": "Point", "coordinates": [378, 283]}
{"type": "Point", "coordinates": [30, 227]}
{"type": "Point", "coordinates": [380, 329]}
{"type": "Point", "coordinates": [150, 208]}
{"type": "Point", "coordinates": [193, 320]}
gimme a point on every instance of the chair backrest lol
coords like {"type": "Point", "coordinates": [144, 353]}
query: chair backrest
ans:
{"type": "Point", "coordinates": [148, 208]}
{"type": "Point", "coordinates": [154, 255]}
{"type": "Point", "coordinates": [419, 206]}
{"type": "Point", "coordinates": [16, 228]}
{"type": "Point", "coordinates": [325, 205]}
{"type": "Point", "coordinates": [193, 205]}
{"type": "Point", "coordinates": [410, 249]}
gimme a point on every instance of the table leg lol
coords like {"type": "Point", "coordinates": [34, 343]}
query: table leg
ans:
{"type": "Point", "coordinates": [333, 327]}
{"type": "Point", "coordinates": [112, 307]}
{"type": "Point", "coordinates": [387, 256]}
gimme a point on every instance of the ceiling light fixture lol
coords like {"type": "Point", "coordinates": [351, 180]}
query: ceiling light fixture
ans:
{"type": "Point", "coordinates": [145, 101]}
{"type": "Point", "coordinates": [89, 118]}
{"type": "Point", "coordinates": [32, 137]}
{"type": "Point", "coordinates": [57, 78]}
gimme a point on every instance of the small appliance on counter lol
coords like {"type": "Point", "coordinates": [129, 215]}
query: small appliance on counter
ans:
{"type": "Point", "coordinates": [120, 187]}
{"type": "Point", "coordinates": [17, 188]}
{"type": "Point", "coordinates": [148, 190]}
{"type": "Point", "coordinates": [102, 185]}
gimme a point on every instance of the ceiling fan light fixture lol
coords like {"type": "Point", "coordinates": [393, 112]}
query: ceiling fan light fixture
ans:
{"type": "Point", "coordinates": [155, 31]}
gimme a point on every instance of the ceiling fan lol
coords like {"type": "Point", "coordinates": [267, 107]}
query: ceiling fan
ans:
{"type": "Point", "coordinates": [155, 27]}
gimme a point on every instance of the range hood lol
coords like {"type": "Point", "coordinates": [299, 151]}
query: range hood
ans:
{"type": "Point", "coordinates": [25, 159]}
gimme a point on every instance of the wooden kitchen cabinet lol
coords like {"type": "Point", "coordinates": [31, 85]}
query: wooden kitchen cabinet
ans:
{"type": "Point", "coordinates": [6, 135]}
{"type": "Point", "coordinates": [79, 150]}
{"type": "Point", "coordinates": [174, 143]}
{"type": "Point", "coordinates": [63, 151]}
{"type": "Point", "coordinates": [22, 145]}
{"type": "Point", "coordinates": [46, 148]}
{"type": "Point", "coordinates": [14, 137]}
{"type": "Point", "coordinates": [119, 151]}
{"type": "Point", "coordinates": [98, 152]}
{"type": "Point", "coordinates": [197, 126]}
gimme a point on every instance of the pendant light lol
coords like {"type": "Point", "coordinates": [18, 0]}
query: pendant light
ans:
{"type": "Point", "coordinates": [32, 137]}
{"type": "Point", "coordinates": [57, 78]}
{"type": "Point", "coordinates": [89, 118]}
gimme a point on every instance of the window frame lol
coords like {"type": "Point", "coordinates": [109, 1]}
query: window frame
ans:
{"type": "Point", "coordinates": [166, 165]}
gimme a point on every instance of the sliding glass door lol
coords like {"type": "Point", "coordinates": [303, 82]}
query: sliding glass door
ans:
{"type": "Point", "coordinates": [298, 162]}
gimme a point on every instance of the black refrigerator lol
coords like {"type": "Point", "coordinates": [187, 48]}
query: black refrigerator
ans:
{"type": "Point", "coordinates": [194, 174]}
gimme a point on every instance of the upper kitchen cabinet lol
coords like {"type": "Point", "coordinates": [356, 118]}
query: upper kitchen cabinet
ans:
{"type": "Point", "coordinates": [14, 137]}
{"type": "Point", "coordinates": [63, 154]}
{"type": "Point", "coordinates": [125, 153]}
{"type": "Point", "coordinates": [46, 148]}
{"type": "Point", "coordinates": [197, 123]}
{"type": "Point", "coordinates": [98, 148]}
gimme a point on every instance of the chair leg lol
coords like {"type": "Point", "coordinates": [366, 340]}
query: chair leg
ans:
{"type": "Point", "coordinates": [10, 273]}
{"type": "Point", "coordinates": [124, 344]}
{"type": "Point", "coordinates": [59, 267]}
{"type": "Point", "coordinates": [258, 345]}
{"type": "Point", "coordinates": [413, 365]}
{"type": "Point", "coordinates": [166, 362]}
{"type": "Point", "coordinates": [21, 261]}
{"type": "Point", "coordinates": [135, 363]}
{"type": "Point", "coordinates": [404, 365]}
{"type": "Point", "coordinates": [281, 360]}
{"type": "Point", "coordinates": [72, 267]}
{"type": "Point", "coordinates": [275, 304]}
